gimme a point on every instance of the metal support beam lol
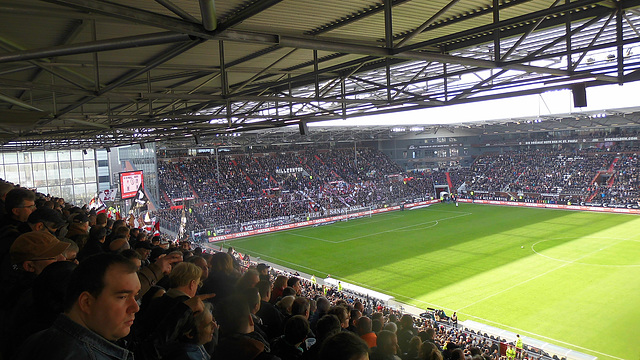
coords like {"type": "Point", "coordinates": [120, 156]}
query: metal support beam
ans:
{"type": "Point", "coordinates": [388, 23]}
{"type": "Point", "coordinates": [505, 23]}
{"type": "Point", "coordinates": [533, 55]}
{"type": "Point", "coordinates": [496, 32]}
{"type": "Point", "coordinates": [531, 29]}
{"type": "Point", "coordinates": [568, 38]}
{"type": "Point", "coordinates": [254, 77]}
{"type": "Point", "coordinates": [619, 42]}
{"type": "Point", "coordinates": [96, 63]}
{"type": "Point", "coordinates": [94, 46]}
{"type": "Point", "coordinates": [177, 10]}
{"type": "Point", "coordinates": [61, 73]}
{"type": "Point", "coordinates": [424, 25]}
{"type": "Point", "coordinates": [208, 12]}
{"type": "Point", "coordinates": [315, 73]}
{"type": "Point", "coordinates": [593, 41]}
{"type": "Point", "coordinates": [254, 9]}
{"type": "Point", "coordinates": [18, 102]}
{"type": "Point", "coordinates": [467, 92]}
{"type": "Point", "coordinates": [164, 57]}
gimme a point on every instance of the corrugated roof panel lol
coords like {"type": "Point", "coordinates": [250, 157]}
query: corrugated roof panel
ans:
{"type": "Point", "coordinates": [297, 17]}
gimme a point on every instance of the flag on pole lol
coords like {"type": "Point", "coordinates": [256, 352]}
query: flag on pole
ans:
{"type": "Point", "coordinates": [141, 200]}
{"type": "Point", "coordinates": [98, 205]}
{"type": "Point", "coordinates": [108, 195]}
{"type": "Point", "coordinates": [183, 225]}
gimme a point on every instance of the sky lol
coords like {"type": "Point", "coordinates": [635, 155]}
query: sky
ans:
{"type": "Point", "coordinates": [554, 103]}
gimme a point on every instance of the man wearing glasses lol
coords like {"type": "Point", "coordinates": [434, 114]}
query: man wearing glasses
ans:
{"type": "Point", "coordinates": [33, 251]}
{"type": "Point", "coordinates": [19, 204]}
{"type": "Point", "coordinates": [30, 253]}
{"type": "Point", "coordinates": [43, 219]}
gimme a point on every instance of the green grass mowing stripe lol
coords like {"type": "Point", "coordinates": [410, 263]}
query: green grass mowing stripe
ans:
{"type": "Point", "coordinates": [572, 265]}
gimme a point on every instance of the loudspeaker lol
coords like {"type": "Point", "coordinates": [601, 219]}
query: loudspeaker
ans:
{"type": "Point", "coordinates": [304, 129]}
{"type": "Point", "coordinates": [579, 95]}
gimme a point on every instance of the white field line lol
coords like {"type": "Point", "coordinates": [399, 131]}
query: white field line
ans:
{"type": "Point", "coordinates": [404, 228]}
{"type": "Point", "coordinates": [581, 263]}
{"type": "Point", "coordinates": [345, 224]}
{"type": "Point", "coordinates": [243, 239]}
{"type": "Point", "coordinates": [542, 336]}
{"type": "Point", "coordinates": [537, 276]}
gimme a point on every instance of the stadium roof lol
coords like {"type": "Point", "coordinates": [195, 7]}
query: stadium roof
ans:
{"type": "Point", "coordinates": [91, 73]}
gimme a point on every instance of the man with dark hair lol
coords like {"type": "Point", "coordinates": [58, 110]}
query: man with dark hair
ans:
{"type": "Point", "coordinates": [94, 245]}
{"type": "Point", "coordinates": [289, 346]}
{"type": "Point", "coordinates": [327, 326]}
{"type": "Point", "coordinates": [387, 346]}
{"type": "Point", "coordinates": [344, 345]}
{"type": "Point", "coordinates": [144, 249]}
{"type": "Point", "coordinates": [263, 270]}
{"type": "Point", "coordinates": [323, 306]}
{"type": "Point", "coordinates": [272, 319]}
{"type": "Point", "coordinates": [354, 315]}
{"type": "Point", "coordinates": [431, 336]}
{"type": "Point", "coordinates": [365, 331]}
{"type": "Point", "coordinates": [296, 284]}
{"type": "Point", "coordinates": [100, 306]}
{"type": "Point", "coordinates": [101, 219]}
{"type": "Point", "coordinates": [301, 306]}
{"type": "Point", "coordinates": [406, 332]}
{"type": "Point", "coordinates": [45, 219]}
{"type": "Point", "coordinates": [78, 228]}
{"type": "Point", "coordinates": [238, 339]}
{"type": "Point", "coordinates": [342, 313]}
{"type": "Point", "coordinates": [5, 187]}
{"type": "Point", "coordinates": [19, 204]}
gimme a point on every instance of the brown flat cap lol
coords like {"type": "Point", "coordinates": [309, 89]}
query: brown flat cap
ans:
{"type": "Point", "coordinates": [36, 245]}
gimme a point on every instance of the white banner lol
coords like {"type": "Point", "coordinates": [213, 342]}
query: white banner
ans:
{"type": "Point", "coordinates": [108, 195]}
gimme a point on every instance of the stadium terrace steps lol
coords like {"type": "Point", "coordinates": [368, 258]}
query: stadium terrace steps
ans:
{"type": "Point", "coordinates": [613, 163]}
{"type": "Point", "coordinates": [449, 180]}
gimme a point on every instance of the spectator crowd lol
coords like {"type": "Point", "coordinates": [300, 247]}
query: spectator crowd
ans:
{"type": "Point", "coordinates": [232, 190]}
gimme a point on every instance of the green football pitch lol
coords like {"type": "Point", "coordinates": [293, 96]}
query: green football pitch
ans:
{"type": "Point", "coordinates": [565, 277]}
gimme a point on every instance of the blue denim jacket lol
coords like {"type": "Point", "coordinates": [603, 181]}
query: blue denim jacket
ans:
{"type": "Point", "coordinates": [67, 340]}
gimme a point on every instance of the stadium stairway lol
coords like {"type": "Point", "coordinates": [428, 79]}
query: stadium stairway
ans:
{"type": "Point", "coordinates": [613, 163]}
{"type": "Point", "coordinates": [166, 197]}
{"type": "Point", "coordinates": [446, 174]}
